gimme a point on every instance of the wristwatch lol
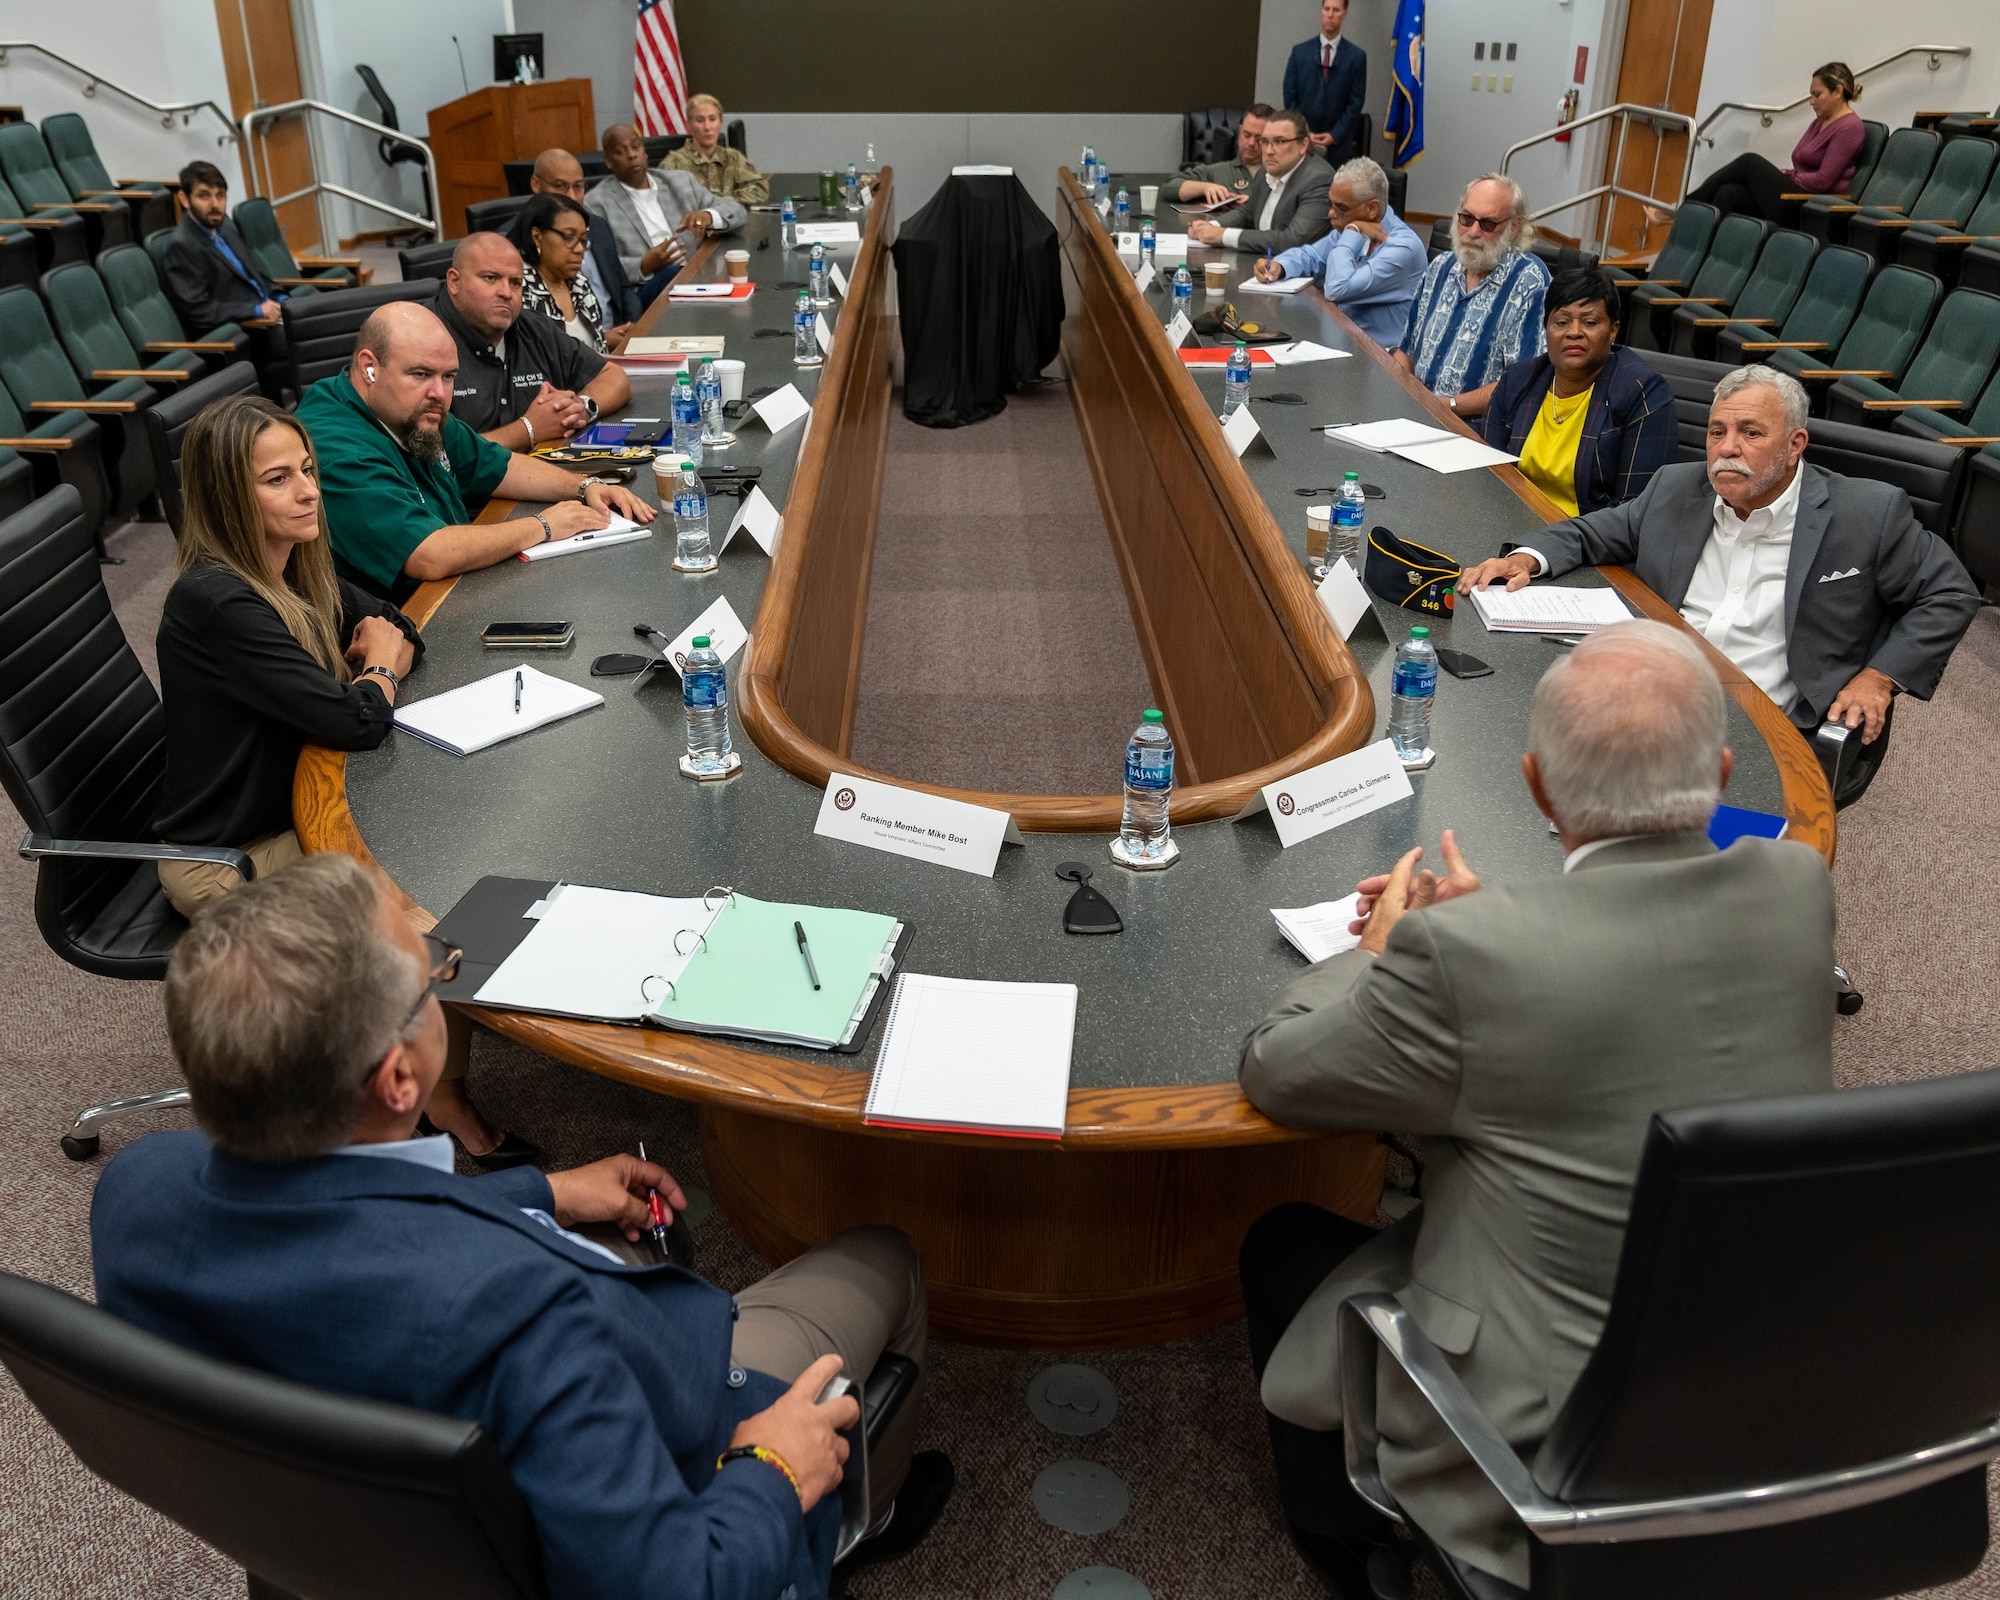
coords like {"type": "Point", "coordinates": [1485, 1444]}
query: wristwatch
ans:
{"type": "Point", "coordinates": [589, 404]}
{"type": "Point", "coordinates": [379, 672]}
{"type": "Point", "coordinates": [1452, 401]}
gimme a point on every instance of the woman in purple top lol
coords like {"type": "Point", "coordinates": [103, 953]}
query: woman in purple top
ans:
{"type": "Point", "coordinates": [1822, 162]}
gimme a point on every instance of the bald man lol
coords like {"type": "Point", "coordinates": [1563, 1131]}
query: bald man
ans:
{"type": "Point", "coordinates": [1528, 1030]}
{"type": "Point", "coordinates": [400, 476]}
{"type": "Point", "coordinates": [658, 218]}
{"type": "Point", "coordinates": [559, 172]}
{"type": "Point", "coordinates": [521, 380]}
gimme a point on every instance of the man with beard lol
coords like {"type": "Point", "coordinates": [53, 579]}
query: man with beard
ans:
{"type": "Point", "coordinates": [1826, 591]}
{"type": "Point", "coordinates": [1480, 308]}
{"type": "Point", "coordinates": [399, 473]}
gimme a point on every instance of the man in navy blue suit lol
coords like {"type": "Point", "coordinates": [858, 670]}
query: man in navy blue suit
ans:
{"type": "Point", "coordinates": [667, 1437]}
{"type": "Point", "coordinates": [1327, 79]}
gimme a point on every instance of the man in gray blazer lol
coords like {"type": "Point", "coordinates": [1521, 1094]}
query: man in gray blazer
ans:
{"type": "Point", "coordinates": [1825, 590]}
{"type": "Point", "coordinates": [1286, 204]}
{"type": "Point", "coordinates": [658, 218]}
{"type": "Point", "coordinates": [1528, 1032]}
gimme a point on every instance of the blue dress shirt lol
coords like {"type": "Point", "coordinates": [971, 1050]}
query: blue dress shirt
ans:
{"type": "Point", "coordinates": [1372, 283]}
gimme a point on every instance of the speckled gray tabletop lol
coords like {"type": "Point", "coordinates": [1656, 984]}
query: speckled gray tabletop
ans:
{"type": "Point", "coordinates": [597, 799]}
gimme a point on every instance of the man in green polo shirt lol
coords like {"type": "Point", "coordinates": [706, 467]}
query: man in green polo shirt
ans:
{"type": "Point", "coordinates": [399, 474]}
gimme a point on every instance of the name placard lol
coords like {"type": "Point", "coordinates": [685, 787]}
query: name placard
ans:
{"type": "Point", "coordinates": [823, 332]}
{"type": "Point", "coordinates": [782, 407]}
{"type": "Point", "coordinates": [1342, 598]}
{"type": "Point", "coordinates": [1242, 432]}
{"type": "Point", "coordinates": [839, 279]}
{"type": "Point", "coordinates": [1178, 330]}
{"type": "Point", "coordinates": [1308, 803]}
{"type": "Point", "coordinates": [1142, 280]}
{"type": "Point", "coordinates": [758, 518]}
{"type": "Point", "coordinates": [725, 630]}
{"type": "Point", "coordinates": [908, 822]}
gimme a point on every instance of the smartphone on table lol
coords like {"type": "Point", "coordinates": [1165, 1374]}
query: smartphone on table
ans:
{"type": "Point", "coordinates": [526, 635]}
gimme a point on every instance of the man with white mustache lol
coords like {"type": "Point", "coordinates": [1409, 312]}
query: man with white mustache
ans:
{"type": "Point", "coordinates": [1826, 591]}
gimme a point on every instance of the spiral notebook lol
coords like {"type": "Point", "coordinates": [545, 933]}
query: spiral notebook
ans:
{"type": "Point", "coordinates": [973, 1056]}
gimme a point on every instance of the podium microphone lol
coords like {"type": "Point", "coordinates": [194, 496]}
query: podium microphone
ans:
{"type": "Point", "coordinates": [462, 78]}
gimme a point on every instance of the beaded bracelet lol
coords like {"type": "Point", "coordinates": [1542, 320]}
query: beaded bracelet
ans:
{"type": "Point", "coordinates": [756, 1452]}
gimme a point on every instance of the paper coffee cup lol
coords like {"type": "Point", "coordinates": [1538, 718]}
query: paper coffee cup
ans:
{"type": "Point", "coordinates": [1217, 274]}
{"type": "Point", "coordinates": [1319, 527]}
{"type": "Point", "coordinates": [738, 262]}
{"type": "Point", "coordinates": [731, 374]}
{"type": "Point", "coordinates": [667, 466]}
{"type": "Point", "coordinates": [1149, 196]}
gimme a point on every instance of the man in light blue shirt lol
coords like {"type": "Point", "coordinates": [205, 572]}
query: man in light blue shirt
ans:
{"type": "Point", "coordinates": [1370, 264]}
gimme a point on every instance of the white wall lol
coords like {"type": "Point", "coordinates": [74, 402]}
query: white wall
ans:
{"type": "Point", "coordinates": [1765, 55]}
{"type": "Point", "coordinates": [167, 50]}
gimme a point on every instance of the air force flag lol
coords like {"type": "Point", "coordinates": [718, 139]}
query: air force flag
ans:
{"type": "Point", "coordinates": [1405, 122]}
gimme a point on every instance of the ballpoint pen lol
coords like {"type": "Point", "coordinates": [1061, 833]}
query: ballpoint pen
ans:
{"type": "Point", "coordinates": [517, 692]}
{"type": "Point", "coordinates": [805, 950]}
{"type": "Point", "coordinates": [658, 1209]}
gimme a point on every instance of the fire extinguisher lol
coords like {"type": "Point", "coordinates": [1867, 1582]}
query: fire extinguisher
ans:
{"type": "Point", "coordinates": [1566, 113]}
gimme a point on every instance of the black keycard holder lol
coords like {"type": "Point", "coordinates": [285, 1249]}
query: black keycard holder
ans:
{"type": "Point", "coordinates": [1087, 911]}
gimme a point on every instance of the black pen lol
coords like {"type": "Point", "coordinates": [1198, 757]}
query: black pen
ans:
{"type": "Point", "coordinates": [517, 693]}
{"type": "Point", "coordinates": [1318, 426]}
{"type": "Point", "coordinates": [1565, 640]}
{"type": "Point", "coordinates": [806, 950]}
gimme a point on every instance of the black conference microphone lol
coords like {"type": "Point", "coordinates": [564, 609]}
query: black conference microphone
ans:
{"type": "Point", "coordinates": [462, 78]}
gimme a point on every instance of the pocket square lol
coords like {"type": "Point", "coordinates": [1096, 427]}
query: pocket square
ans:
{"type": "Point", "coordinates": [1835, 577]}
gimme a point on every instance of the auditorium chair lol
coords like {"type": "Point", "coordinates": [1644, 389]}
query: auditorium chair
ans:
{"type": "Point", "coordinates": [258, 223]}
{"type": "Point", "coordinates": [148, 317]}
{"type": "Point", "coordinates": [1959, 429]}
{"type": "Point", "coordinates": [1764, 301]}
{"type": "Point", "coordinates": [1874, 139]}
{"type": "Point", "coordinates": [18, 262]}
{"type": "Point", "coordinates": [314, 1494]}
{"type": "Point", "coordinates": [1977, 533]}
{"type": "Point", "coordinates": [75, 156]}
{"type": "Point", "coordinates": [319, 332]}
{"type": "Point", "coordinates": [1937, 248]}
{"type": "Point", "coordinates": [495, 216]}
{"type": "Point", "coordinates": [65, 448]}
{"type": "Point", "coordinates": [1822, 314]}
{"type": "Point", "coordinates": [1732, 253]}
{"type": "Point", "coordinates": [41, 379]}
{"type": "Point", "coordinates": [1791, 1398]}
{"type": "Point", "coordinates": [95, 339]}
{"type": "Point", "coordinates": [17, 483]}
{"type": "Point", "coordinates": [1894, 185]}
{"type": "Point", "coordinates": [426, 260]}
{"type": "Point", "coordinates": [1948, 198]}
{"type": "Point", "coordinates": [1957, 124]}
{"type": "Point", "coordinates": [1945, 375]}
{"type": "Point", "coordinates": [1674, 267]}
{"type": "Point", "coordinates": [167, 422]}
{"type": "Point", "coordinates": [32, 175]}
{"type": "Point", "coordinates": [82, 754]}
{"type": "Point", "coordinates": [1878, 344]}
{"type": "Point", "coordinates": [56, 237]}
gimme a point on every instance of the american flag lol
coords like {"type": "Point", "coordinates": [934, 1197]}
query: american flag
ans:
{"type": "Point", "coordinates": [659, 82]}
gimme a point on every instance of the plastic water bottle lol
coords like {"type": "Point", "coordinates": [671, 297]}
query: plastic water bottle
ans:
{"type": "Point", "coordinates": [1350, 510]}
{"type": "Point", "coordinates": [1121, 212]}
{"type": "Point", "coordinates": [1236, 381]}
{"type": "Point", "coordinates": [1183, 292]}
{"type": "Point", "coordinates": [816, 278]}
{"type": "Point", "coordinates": [705, 705]}
{"type": "Point", "coordinates": [1145, 833]}
{"type": "Point", "coordinates": [850, 188]}
{"type": "Point", "coordinates": [692, 551]}
{"type": "Point", "coordinates": [1149, 238]}
{"type": "Point", "coordinates": [805, 338]}
{"type": "Point", "coordinates": [1410, 695]}
{"type": "Point", "coordinates": [687, 419]}
{"type": "Point", "coordinates": [1103, 183]}
{"type": "Point", "coordinates": [788, 224]}
{"type": "Point", "coordinates": [1086, 169]}
{"type": "Point", "coordinates": [708, 396]}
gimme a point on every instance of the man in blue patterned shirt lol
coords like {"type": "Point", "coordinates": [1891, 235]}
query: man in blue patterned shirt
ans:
{"type": "Point", "coordinates": [1479, 309]}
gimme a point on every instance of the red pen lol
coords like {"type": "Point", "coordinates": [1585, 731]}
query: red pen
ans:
{"type": "Point", "coordinates": [658, 1208]}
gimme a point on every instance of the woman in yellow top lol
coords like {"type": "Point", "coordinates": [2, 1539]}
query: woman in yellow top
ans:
{"type": "Point", "coordinates": [1590, 420]}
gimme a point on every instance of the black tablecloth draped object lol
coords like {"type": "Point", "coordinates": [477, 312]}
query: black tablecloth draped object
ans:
{"type": "Point", "coordinates": [979, 292]}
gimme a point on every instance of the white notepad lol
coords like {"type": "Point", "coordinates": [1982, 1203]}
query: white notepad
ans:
{"type": "Point", "coordinates": [593, 951]}
{"type": "Point", "coordinates": [973, 1055]}
{"type": "Point", "coordinates": [1388, 435]}
{"type": "Point", "coordinates": [480, 714]}
{"type": "Point", "coordinates": [619, 530]}
{"type": "Point", "coordinates": [1320, 931]}
{"type": "Point", "coordinates": [1453, 453]}
{"type": "Point", "coordinates": [1548, 608]}
{"type": "Point", "coordinates": [1282, 286]}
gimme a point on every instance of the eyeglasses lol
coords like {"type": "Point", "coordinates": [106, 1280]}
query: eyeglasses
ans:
{"type": "Point", "coordinates": [1279, 142]}
{"type": "Point", "coordinates": [567, 237]}
{"type": "Point", "coordinates": [1467, 221]}
{"type": "Point", "coordinates": [444, 963]}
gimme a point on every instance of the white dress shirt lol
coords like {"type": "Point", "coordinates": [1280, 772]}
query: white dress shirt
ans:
{"type": "Point", "coordinates": [1233, 237]}
{"type": "Point", "coordinates": [652, 218]}
{"type": "Point", "coordinates": [1328, 43]}
{"type": "Point", "coordinates": [1584, 852]}
{"type": "Point", "coordinates": [1736, 600]}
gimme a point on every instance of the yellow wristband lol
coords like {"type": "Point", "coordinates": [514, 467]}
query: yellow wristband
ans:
{"type": "Point", "coordinates": [769, 1457]}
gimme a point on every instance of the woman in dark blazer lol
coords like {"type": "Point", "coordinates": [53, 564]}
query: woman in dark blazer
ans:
{"type": "Point", "coordinates": [1590, 420]}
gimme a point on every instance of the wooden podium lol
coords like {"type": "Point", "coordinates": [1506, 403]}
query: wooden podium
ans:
{"type": "Point", "coordinates": [472, 136]}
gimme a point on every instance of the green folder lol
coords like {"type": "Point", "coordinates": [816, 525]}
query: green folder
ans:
{"type": "Point", "coordinates": [749, 977]}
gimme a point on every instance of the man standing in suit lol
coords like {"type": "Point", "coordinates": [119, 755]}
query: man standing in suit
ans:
{"type": "Point", "coordinates": [210, 270]}
{"type": "Point", "coordinates": [1327, 79]}
{"type": "Point", "coordinates": [1286, 205]}
{"type": "Point", "coordinates": [666, 1436]}
{"type": "Point", "coordinates": [1826, 591]}
{"type": "Point", "coordinates": [559, 172]}
{"type": "Point", "coordinates": [1529, 1032]}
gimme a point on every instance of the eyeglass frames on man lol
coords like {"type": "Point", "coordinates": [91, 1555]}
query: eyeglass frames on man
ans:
{"type": "Point", "coordinates": [1467, 221]}
{"type": "Point", "coordinates": [443, 966]}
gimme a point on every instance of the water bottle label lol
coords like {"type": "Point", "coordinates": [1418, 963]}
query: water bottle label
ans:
{"type": "Point", "coordinates": [1348, 513]}
{"type": "Point", "coordinates": [690, 505]}
{"type": "Point", "coordinates": [704, 691]}
{"type": "Point", "coordinates": [1149, 767]}
{"type": "Point", "coordinates": [1416, 680]}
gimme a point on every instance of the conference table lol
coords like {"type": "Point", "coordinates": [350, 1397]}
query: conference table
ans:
{"type": "Point", "coordinates": [1126, 1230]}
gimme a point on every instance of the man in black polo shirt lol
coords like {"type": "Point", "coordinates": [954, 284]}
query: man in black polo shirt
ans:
{"type": "Point", "coordinates": [522, 381]}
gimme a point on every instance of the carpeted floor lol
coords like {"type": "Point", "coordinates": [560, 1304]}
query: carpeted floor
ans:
{"type": "Point", "coordinates": [1919, 888]}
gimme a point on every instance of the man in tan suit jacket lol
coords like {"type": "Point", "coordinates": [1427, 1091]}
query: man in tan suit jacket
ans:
{"type": "Point", "coordinates": [1527, 1032]}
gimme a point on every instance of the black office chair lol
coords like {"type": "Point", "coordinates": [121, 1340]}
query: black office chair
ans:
{"type": "Point", "coordinates": [167, 424]}
{"type": "Point", "coordinates": [82, 753]}
{"type": "Point", "coordinates": [1794, 1394]}
{"type": "Point", "coordinates": [398, 152]}
{"type": "Point", "coordinates": [315, 1494]}
{"type": "Point", "coordinates": [495, 216]}
{"type": "Point", "coordinates": [320, 329]}
{"type": "Point", "coordinates": [426, 260]}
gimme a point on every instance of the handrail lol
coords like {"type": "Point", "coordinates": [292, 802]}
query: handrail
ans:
{"type": "Point", "coordinates": [1766, 113]}
{"type": "Point", "coordinates": [318, 186]}
{"type": "Point", "coordinates": [1627, 112]}
{"type": "Point", "coordinates": [185, 110]}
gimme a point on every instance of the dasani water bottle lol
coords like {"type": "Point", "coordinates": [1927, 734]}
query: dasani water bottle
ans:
{"type": "Point", "coordinates": [1121, 212]}
{"type": "Point", "coordinates": [788, 224]}
{"type": "Point", "coordinates": [705, 705]}
{"type": "Point", "coordinates": [1411, 691]}
{"type": "Point", "coordinates": [818, 282]}
{"type": "Point", "coordinates": [1236, 381]}
{"type": "Point", "coordinates": [687, 419]}
{"type": "Point", "coordinates": [805, 337]}
{"type": "Point", "coordinates": [1145, 833]}
{"type": "Point", "coordinates": [1350, 510]}
{"type": "Point", "coordinates": [1183, 292]}
{"type": "Point", "coordinates": [708, 397]}
{"type": "Point", "coordinates": [692, 551]}
{"type": "Point", "coordinates": [1149, 239]}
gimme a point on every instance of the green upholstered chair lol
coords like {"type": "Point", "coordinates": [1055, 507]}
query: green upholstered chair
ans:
{"type": "Point", "coordinates": [1819, 317]}
{"type": "Point", "coordinates": [32, 175]}
{"type": "Point", "coordinates": [1945, 376]}
{"type": "Point", "coordinates": [54, 236]}
{"type": "Point", "coordinates": [64, 448]}
{"type": "Point", "coordinates": [1949, 197]}
{"type": "Point", "coordinates": [258, 223]}
{"type": "Point", "coordinates": [1874, 139]}
{"type": "Point", "coordinates": [1892, 187]}
{"type": "Point", "coordinates": [1973, 428]}
{"type": "Point", "coordinates": [1879, 344]}
{"type": "Point", "coordinates": [17, 483]}
{"type": "Point", "coordinates": [1685, 247]}
{"type": "Point", "coordinates": [1732, 253]}
{"type": "Point", "coordinates": [96, 341]}
{"type": "Point", "coordinates": [39, 375]}
{"type": "Point", "coordinates": [140, 303]}
{"type": "Point", "coordinates": [1956, 124]}
{"type": "Point", "coordinates": [1764, 301]}
{"type": "Point", "coordinates": [1938, 248]}
{"type": "Point", "coordinates": [74, 153]}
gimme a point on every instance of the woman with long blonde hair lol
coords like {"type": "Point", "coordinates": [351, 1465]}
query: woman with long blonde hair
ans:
{"type": "Point", "coordinates": [262, 646]}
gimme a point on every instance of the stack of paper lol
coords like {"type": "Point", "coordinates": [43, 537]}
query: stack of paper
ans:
{"type": "Point", "coordinates": [1389, 435]}
{"type": "Point", "coordinates": [1320, 931]}
{"type": "Point", "coordinates": [1436, 448]}
{"type": "Point", "coordinates": [483, 713]}
{"type": "Point", "coordinates": [620, 530]}
{"type": "Point", "coordinates": [1304, 350]}
{"type": "Point", "coordinates": [1282, 286]}
{"type": "Point", "coordinates": [601, 953]}
{"type": "Point", "coordinates": [976, 1056]}
{"type": "Point", "coordinates": [1547, 608]}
